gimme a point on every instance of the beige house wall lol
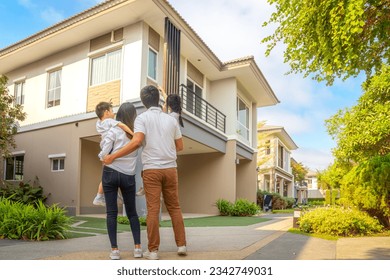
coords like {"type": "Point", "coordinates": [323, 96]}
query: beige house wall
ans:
{"type": "Point", "coordinates": [204, 178]}
{"type": "Point", "coordinates": [246, 180]}
{"type": "Point", "coordinates": [63, 186]}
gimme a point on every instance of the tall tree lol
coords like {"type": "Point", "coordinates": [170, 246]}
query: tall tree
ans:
{"type": "Point", "coordinates": [332, 38]}
{"type": "Point", "coordinates": [363, 131]}
{"type": "Point", "coordinates": [299, 171]}
{"type": "Point", "coordinates": [10, 114]}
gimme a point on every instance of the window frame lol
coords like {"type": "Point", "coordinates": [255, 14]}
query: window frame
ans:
{"type": "Point", "coordinates": [150, 49]}
{"type": "Point", "coordinates": [49, 88]}
{"type": "Point", "coordinates": [239, 123]}
{"type": "Point", "coordinates": [59, 158]}
{"type": "Point", "coordinates": [105, 79]}
{"type": "Point", "coordinates": [14, 156]}
{"type": "Point", "coordinates": [19, 85]}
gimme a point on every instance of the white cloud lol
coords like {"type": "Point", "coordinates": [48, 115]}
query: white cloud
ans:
{"type": "Point", "coordinates": [26, 3]}
{"type": "Point", "coordinates": [51, 15]}
{"type": "Point", "coordinates": [313, 158]}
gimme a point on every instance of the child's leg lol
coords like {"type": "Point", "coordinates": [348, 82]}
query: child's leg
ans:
{"type": "Point", "coordinates": [99, 199]}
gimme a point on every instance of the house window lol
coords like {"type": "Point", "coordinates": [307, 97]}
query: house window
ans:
{"type": "Point", "coordinates": [152, 64]}
{"type": "Point", "coordinates": [193, 101]}
{"type": "Point", "coordinates": [54, 88]}
{"type": "Point", "coordinates": [14, 168]}
{"type": "Point", "coordinates": [281, 157]}
{"type": "Point", "coordinates": [106, 68]}
{"type": "Point", "coordinates": [19, 93]}
{"type": "Point", "coordinates": [268, 147]}
{"type": "Point", "coordinates": [242, 119]}
{"type": "Point", "coordinates": [57, 164]}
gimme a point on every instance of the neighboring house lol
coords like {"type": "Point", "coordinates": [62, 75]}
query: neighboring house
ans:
{"type": "Point", "coordinates": [312, 185]}
{"type": "Point", "coordinates": [274, 172]}
{"type": "Point", "coordinates": [108, 53]}
{"type": "Point", "coordinates": [301, 190]}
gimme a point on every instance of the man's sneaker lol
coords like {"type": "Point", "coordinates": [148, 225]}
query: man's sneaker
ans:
{"type": "Point", "coordinates": [115, 255]}
{"type": "Point", "coordinates": [182, 251]}
{"type": "Point", "coordinates": [137, 253]}
{"type": "Point", "coordinates": [140, 192]}
{"type": "Point", "coordinates": [151, 255]}
{"type": "Point", "coordinates": [99, 200]}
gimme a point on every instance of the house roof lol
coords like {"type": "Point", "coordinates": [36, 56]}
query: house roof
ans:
{"type": "Point", "coordinates": [113, 14]}
{"type": "Point", "coordinates": [281, 133]}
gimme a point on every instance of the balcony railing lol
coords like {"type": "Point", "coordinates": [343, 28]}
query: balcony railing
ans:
{"type": "Point", "coordinates": [199, 107]}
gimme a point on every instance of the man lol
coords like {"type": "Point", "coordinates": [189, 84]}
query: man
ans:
{"type": "Point", "coordinates": [161, 138]}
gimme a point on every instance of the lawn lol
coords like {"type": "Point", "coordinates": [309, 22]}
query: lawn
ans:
{"type": "Point", "coordinates": [95, 226]}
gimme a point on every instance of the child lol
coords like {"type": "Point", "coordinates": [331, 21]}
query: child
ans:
{"type": "Point", "coordinates": [172, 106]}
{"type": "Point", "coordinates": [106, 120]}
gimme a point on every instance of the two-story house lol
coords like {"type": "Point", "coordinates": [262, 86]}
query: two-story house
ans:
{"type": "Point", "coordinates": [109, 52]}
{"type": "Point", "coordinates": [274, 157]}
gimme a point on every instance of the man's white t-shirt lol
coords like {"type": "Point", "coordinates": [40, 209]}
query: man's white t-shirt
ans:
{"type": "Point", "coordinates": [160, 130]}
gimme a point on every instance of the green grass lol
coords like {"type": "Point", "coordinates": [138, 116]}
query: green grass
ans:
{"type": "Point", "coordinates": [282, 211]}
{"type": "Point", "coordinates": [218, 221]}
{"type": "Point", "coordinates": [98, 225]}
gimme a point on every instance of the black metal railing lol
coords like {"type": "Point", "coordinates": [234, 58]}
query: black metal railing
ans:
{"type": "Point", "coordinates": [199, 107]}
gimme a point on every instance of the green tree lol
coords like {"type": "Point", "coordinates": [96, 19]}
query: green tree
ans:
{"type": "Point", "coordinates": [332, 38]}
{"type": "Point", "coordinates": [367, 186]}
{"type": "Point", "coordinates": [10, 114]}
{"type": "Point", "coordinates": [363, 131]}
{"type": "Point", "coordinates": [299, 171]}
{"type": "Point", "coordinates": [331, 177]}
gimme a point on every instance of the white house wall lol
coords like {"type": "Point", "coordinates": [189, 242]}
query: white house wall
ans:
{"type": "Point", "coordinates": [75, 65]}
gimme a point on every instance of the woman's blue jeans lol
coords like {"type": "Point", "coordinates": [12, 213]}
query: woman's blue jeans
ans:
{"type": "Point", "coordinates": [113, 180]}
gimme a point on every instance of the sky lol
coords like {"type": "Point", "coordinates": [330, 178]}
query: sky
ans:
{"type": "Point", "coordinates": [232, 29]}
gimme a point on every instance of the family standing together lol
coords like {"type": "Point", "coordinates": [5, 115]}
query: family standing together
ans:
{"type": "Point", "coordinates": [159, 135]}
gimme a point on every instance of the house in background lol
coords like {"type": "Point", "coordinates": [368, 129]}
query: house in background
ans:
{"type": "Point", "coordinates": [312, 185]}
{"type": "Point", "coordinates": [109, 52]}
{"type": "Point", "coordinates": [274, 155]}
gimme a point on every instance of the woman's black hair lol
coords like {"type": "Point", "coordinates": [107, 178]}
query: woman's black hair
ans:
{"type": "Point", "coordinates": [174, 103]}
{"type": "Point", "coordinates": [127, 114]}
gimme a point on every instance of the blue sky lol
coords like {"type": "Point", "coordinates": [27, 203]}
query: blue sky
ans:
{"type": "Point", "coordinates": [232, 29]}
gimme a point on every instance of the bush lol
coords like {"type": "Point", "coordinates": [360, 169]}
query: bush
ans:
{"type": "Point", "coordinates": [338, 221]}
{"type": "Point", "coordinates": [224, 207]}
{"type": "Point", "coordinates": [241, 207]}
{"type": "Point", "coordinates": [125, 221]}
{"type": "Point", "coordinates": [278, 202]}
{"type": "Point", "coordinates": [24, 221]}
{"type": "Point", "coordinates": [23, 192]}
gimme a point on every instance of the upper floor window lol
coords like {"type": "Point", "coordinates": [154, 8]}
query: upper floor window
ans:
{"type": "Point", "coordinates": [152, 64]}
{"type": "Point", "coordinates": [193, 100]}
{"type": "Point", "coordinates": [13, 168]}
{"type": "Point", "coordinates": [19, 93]}
{"type": "Point", "coordinates": [54, 88]}
{"type": "Point", "coordinates": [281, 156]}
{"type": "Point", "coordinates": [268, 147]}
{"type": "Point", "coordinates": [106, 68]}
{"type": "Point", "coordinates": [242, 119]}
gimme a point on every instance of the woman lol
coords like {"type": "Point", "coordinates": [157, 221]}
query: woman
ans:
{"type": "Point", "coordinates": [121, 174]}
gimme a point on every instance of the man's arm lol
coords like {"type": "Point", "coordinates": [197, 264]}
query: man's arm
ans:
{"type": "Point", "coordinates": [133, 145]}
{"type": "Point", "coordinates": [179, 144]}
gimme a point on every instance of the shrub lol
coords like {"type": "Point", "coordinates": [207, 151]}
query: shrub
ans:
{"type": "Point", "coordinates": [243, 207]}
{"type": "Point", "coordinates": [23, 192]}
{"type": "Point", "coordinates": [24, 221]}
{"type": "Point", "coordinates": [224, 207]}
{"type": "Point", "coordinates": [278, 202]}
{"type": "Point", "coordinates": [338, 221]}
{"type": "Point", "coordinates": [125, 221]}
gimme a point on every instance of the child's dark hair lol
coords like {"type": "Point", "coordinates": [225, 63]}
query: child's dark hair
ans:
{"type": "Point", "coordinates": [101, 108]}
{"type": "Point", "coordinates": [174, 103]}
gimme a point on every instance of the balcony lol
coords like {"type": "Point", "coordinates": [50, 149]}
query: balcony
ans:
{"type": "Point", "coordinates": [199, 107]}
